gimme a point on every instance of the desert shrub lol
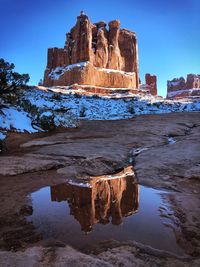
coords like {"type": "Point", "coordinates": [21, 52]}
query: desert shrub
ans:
{"type": "Point", "coordinates": [131, 109]}
{"type": "Point", "coordinates": [2, 145]}
{"type": "Point", "coordinates": [44, 121]}
{"type": "Point", "coordinates": [76, 95]}
{"type": "Point", "coordinates": [28, 107]}
{"type": "Point", "coordinates": [156, 104]}
{"type": "Point", "coordinates": [9, 79]}
{"type": "Point", "coordinates": [83, 112]}
{"type": "Point", "coordinates": [57, 97]}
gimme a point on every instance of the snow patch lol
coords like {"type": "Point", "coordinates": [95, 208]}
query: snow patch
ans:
{"type": "Point", "coordinates": [16, 119]}
{"type": "Point", "coordinates": [2, 136]}
{"type": "Point", "coordinates": [113, 177]}
{"type": "Point", "coordinates": [108, 107]}
{"type": "Point", "coordinates": [171, 140]}
{"type": "Point", "coordinates": [59, 71]}
{"type": "Point", "coordinates": [67, 106]}
{"type": "Point", "coordinates": [139, 150]}
{"type": "Point", "coordinates": [46, 114]}
{"type": "Point", "coordinates": [71, 182]}
{"type": "Point", "coordinates": [116, 71]}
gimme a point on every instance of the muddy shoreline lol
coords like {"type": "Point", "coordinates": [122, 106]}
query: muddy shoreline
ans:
{"type": "Point", "coordinates": [98, 148]}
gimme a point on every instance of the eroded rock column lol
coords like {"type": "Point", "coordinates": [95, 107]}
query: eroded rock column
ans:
{"type": "Point", "coordinates": [114, 61]}
{"type": "Point", "coordinates": [101, 56]}
{"type": "Point", "coordinates": [81, 43]}
{"type": "Point", "coordinates": [129, 52]}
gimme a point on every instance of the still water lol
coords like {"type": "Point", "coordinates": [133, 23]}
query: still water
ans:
{"type": "Point", "coordinates": [82, 215]}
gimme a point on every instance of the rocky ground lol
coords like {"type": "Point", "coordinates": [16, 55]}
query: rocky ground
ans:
{"type": "Point", "coordinates": [164, 150]}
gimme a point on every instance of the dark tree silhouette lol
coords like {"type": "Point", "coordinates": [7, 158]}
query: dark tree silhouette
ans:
{"type": "Point", "coordinates": [10, 80]}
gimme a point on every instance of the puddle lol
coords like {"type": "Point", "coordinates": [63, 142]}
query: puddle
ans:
{"type": "Point", "coordinates": [171, 140]}
{"type": "Point", "coordinates": [105, 209]}
{"type": "Point", "coordinates": [139, 150]}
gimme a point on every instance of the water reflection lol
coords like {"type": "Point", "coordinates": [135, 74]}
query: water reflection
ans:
{"type": "Point", "coordinates": [100, 205]}
{"type": "Point", "coordinates": [103, 201]}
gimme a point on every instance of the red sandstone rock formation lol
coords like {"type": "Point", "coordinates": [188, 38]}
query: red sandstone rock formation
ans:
{"type": "Point", "coordinates": [103, 49]}
{"type": "Point", "coordinates": [151, 81]}
{"type": "Point", "coordinates": [150, 85]}
{"type": "Point", "coordinates": [193, 81]}
{"type": "Point", "coordinates": [179, 87]}
{"type": "Point", "coordinates": [114, 59]}
{"type": "Point", "coordinates": [101, 52]}
{"type": "Point", "coordinates": [81, 40]}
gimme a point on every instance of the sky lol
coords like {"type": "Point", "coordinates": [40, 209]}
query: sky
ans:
{"type": "Point", "coordinates": [168, 32]}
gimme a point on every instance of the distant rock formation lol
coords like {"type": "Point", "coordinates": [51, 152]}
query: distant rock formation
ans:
{"type": "Point", "coordinates": [94, 55]}
{"type": "Point", "coordinates": [151, 81]}
{"type": "Point", "coordinates": [150, 85]}
{"type": "Point", "coordinates": [179, 87]}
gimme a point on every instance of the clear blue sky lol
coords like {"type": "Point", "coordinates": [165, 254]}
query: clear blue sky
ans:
{"type": "Point", "coordinates": [168, 32]}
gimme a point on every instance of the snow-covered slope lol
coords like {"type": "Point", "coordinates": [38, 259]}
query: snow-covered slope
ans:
{"type": "Point", "coordinates": [15, 118]}
{"type": "Point", "coordinates": [115, 106]}
{"type": "Point", "coordinates": [65, 107]}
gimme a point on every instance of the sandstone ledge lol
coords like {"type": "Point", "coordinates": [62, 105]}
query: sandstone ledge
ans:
{"type": "Point", "coordinates": [85, 73]}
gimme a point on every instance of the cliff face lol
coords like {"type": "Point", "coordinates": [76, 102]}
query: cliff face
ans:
{"type": "Point", "coordinates": [103, 49]}
{"type": "Point", "coordinates": [179, 87]}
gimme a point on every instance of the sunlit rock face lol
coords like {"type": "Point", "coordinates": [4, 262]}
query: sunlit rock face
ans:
{"type": "Point", "coordinates": [103, 200]}
{"type": "Point", "coordinates": [108, 56]}
{"type": "Point", "coordinates": [151, 81]}
{"type": "Point", "coordinates": [179, 87]}
{"type": "Point", "coordinates": [150, 85]}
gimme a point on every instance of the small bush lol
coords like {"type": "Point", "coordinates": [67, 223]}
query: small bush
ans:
{"type": "Point", "coordinates": [44, 122]}
{"type": "Point", "coordinates": [83, 112]}
{"type": "Point", "coordinates": [131, 109]}
{"type": "Point", "coordinates": [57, 97]}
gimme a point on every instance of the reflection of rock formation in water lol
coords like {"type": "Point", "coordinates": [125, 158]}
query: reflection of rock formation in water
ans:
{"type": "Point", "coordinates": [105, 198]}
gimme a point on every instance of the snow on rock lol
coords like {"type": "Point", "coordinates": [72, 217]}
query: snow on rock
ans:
{"type": "Point", "coordinates": [51, 119]}
{"type": "Point", "coordinates": [59, 71]}
{"type": "Point", "coordinates": [15, 119]}
{"type": "Point", "coordinates": [79, 184]}
{"type": "Point", "coordinates": [110, 107]}
{"type": "Point", "coordinates": [2, 136]}
{"type": "Point", "coordinates": [139, 150]}
{"type": "Point", "coordinates": [179, 92]}
{"type": "Point", "coordinates": [116, 71]}
{"type": "Point", "coordinates": [171, 140]}
{"type": "Point", "coordinates": [47, 108]}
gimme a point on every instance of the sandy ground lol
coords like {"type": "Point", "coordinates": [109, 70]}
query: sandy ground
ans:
{"type": "Point", "coordinates": [98, 148]}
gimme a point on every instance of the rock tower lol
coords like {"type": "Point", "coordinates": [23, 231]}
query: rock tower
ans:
{"type": "Point", "coordinates": [151, 81]}
{"type": "Point", "coordinates": [95, 55]}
